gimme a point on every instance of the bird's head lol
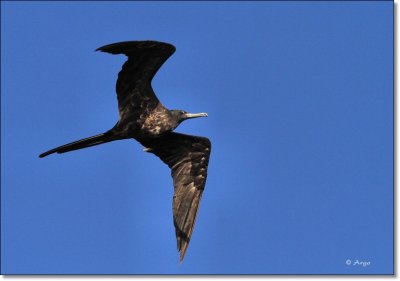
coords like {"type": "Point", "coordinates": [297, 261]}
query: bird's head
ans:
{"type": "Point", "coordinates": [182, 115]}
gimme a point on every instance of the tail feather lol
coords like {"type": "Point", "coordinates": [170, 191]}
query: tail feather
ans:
{"type": "Point", "coordinates": [87, 142]}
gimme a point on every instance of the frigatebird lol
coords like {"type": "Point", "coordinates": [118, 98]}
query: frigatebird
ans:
{"type": "Point", "coordinates": [143, 118]}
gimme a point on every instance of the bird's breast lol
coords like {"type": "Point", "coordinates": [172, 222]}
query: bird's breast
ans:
{"type": "Point", "coordinates": [156, 124]}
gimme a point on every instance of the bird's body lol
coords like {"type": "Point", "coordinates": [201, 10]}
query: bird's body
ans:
{"type": "Point", "coordinates": [143, 117]}
{"type": "Point", "coordinates": [152, 123]}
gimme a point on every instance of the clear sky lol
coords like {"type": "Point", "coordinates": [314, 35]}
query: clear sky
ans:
{"type": "Point", "coordinates": [300, 104]}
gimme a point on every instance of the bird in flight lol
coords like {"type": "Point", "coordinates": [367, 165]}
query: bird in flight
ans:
{"type": "Point", "coordinates": [143, 117]}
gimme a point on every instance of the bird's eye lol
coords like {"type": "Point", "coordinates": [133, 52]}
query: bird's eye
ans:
{"type": "Point", "coordinates": [182, 112]}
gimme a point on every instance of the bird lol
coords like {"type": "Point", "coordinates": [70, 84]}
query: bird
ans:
{"type": "Point", "coordinates": [144, 118]}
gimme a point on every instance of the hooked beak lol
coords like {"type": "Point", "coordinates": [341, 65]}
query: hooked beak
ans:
{"type": "Point", "coordinates": [195, 115]}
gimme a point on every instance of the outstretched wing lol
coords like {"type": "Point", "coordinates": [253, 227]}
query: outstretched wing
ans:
{"type": "Point", "coordinates": [187, 156]}
{"type": "Point", "coordinates": [134, 92]}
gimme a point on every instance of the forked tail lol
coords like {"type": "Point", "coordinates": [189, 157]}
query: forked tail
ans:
{"type": "Point", "coordinates": [91, 141]}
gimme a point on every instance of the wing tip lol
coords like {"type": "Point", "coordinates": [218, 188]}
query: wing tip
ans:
{"type": "Point", "coordinates": [182, 251]}
{"type": "Point", "coordinates": [127, 46]}
{"type": "Point", "coordinates": [181, 257]}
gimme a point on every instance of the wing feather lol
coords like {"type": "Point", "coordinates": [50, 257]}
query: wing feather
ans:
{"type": "Point", "coordinates": [188, 157]}
{"type": "Point", "coordinates": [134, 91]}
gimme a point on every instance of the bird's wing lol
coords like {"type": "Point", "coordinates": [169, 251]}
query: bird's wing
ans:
{"type": "Point", "coordinates": [134, 91]}
{"type": "Point", "coordinates": [187, 156]}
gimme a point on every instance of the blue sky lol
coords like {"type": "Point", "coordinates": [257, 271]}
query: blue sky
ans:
{"type": "Point", "coordinates": [300, 104]}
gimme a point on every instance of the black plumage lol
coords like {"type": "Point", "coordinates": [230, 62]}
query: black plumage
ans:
{"type": "Point", "coordinates": [143, 117]}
